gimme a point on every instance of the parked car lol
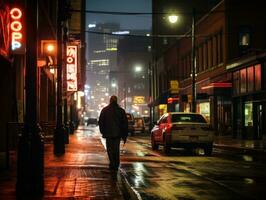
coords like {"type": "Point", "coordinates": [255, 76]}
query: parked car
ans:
{"type": "Point", "coordinates": [130, 119]}
{"type": "Point", "coordinates": [147, 124]}
{"type": "Point", "coordinates": [184, 130]}
{"type": "Point", "coordinates": [139, 126]}
{"type": "Point", "coordinates": [92, 121]}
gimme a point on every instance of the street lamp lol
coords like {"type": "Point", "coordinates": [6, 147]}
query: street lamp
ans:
{"type": "Point", "coordinates": [173, 19]}
{"type": "Point", "coordinates": [138, 68]}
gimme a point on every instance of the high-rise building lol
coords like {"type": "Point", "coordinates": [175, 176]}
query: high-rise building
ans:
{"type": "Point", "coordinates": [101, 56]}
{"type": "Point", "coordinates": [134, 56]}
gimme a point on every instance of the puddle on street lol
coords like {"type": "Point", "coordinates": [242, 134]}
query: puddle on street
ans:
{"type": "Point", "coordinates": [247, 158]}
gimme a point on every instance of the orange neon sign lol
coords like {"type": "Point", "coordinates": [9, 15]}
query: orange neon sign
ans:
{"type": "Point", "coordinates": [16, 29]}
{"type": "Point", "coordinates": [71, 66]}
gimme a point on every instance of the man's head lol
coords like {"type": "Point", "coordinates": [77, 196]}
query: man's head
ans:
{"type": "Point", "coordinates": [113, 99]}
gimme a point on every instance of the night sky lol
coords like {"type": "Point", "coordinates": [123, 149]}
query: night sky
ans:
{"type": "Point", "coordinates": [142, 22]}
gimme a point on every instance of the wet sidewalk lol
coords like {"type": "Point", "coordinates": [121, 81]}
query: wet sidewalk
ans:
{"type": "Point", "coordinates": [81, 173]}
{"type": "Point", "coordinates": [247, 146]}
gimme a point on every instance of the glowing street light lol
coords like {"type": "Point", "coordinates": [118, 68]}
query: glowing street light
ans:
{"type": "Point", "coordinates": [138, 68]}
{"type": "Point", "coordinates": [50, 47]}
{"type": "Point", "coordinates": [173, 18]}
{"type": "Point", "coordinates": [113, 85]}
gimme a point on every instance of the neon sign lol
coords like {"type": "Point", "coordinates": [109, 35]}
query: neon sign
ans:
{"type": "Point", "coordinates": [71, 66]}
{"type": "Point", "coordinates": [16, 29]}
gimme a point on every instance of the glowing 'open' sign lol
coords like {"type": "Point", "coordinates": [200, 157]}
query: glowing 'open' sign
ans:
{"type": "Point", "coordinates": [16, 29]}
{"type": "Point", "coordinates": [71, 66]}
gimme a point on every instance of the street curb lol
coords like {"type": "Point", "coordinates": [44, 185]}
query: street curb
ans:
{"type": "Point", "coordinates": [134, 195]}
{"type": "Point", "coordinates": [240, 149]}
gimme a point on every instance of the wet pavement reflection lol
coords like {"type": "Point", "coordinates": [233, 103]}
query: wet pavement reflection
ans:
{"type": "Point", "coordinates": [192, 175]}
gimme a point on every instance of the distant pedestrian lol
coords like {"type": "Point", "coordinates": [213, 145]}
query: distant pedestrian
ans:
{"type": "Point", "coordinates": [114, 127]}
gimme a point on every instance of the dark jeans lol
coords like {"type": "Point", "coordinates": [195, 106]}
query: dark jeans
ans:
{"type": "Point", "coordinates": [113, 151]}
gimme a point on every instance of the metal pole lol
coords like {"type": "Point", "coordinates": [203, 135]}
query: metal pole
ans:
{"type": "Point", "coordinates": [125, 96]}
{"type": "Point", "coordinates": [66, 123]}
{"type": "Point", "coordinates": [30, 163]}
{"type": "Point", "coordinates": [59, 134]}
{"type": "Point", "coordinates": [193, 64]}
{"type": "Point", "coordinates": [150, 95]}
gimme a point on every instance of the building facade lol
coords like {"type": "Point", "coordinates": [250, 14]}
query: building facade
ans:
{"type": "Point", "coordinates": [225, 37]}
{"type": "Point", "coordinates": [102, 61]}
{"type": "Point", "coordinates": [133, 61]}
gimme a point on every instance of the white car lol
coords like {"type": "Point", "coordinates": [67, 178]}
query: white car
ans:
{"type": "Point", "coordinates": [184, 130]}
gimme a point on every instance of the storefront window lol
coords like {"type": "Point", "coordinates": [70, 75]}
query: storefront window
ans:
{"type": "Point", "coordinates": [236, 82]}
{"type": "Point", "coordinates": [258, 77]}
{"type": "Point", "coordinates": [243, 80]}
{"type": "Point", "coordinates": [204, 109]}
{"type": "Point", "coordinates": [250, 76]}
{"type": "Point", "coordinates": [177, 108]}
{"type": "Point", "coordinates": [248, 114]}
{"type": "Point", "coordinates": [187, 107]}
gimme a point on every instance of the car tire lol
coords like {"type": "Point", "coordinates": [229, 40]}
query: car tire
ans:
{"type": "Point", "coordinates": [154, 146]}
{"type": "Point", "coordinates": [166, 147]}
{"type": "Point", "coordinates": [208, 149]}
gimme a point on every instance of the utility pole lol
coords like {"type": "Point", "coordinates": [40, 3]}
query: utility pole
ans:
{"type": "Point", "coordinates": [193, 64]}
{"type": "Point", "coordinates": [59, 134]}
{"type": "Point", "coordinates": [125, 95]}
{"type": "Point", "coordinates": [150, 95]}
{"type": "Point", "coordinates": [30, 163]}
{"type": "Point", "coordinates": [66, 123]}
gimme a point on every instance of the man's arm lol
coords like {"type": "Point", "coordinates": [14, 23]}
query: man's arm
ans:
{"type": "Point", "coordinates": [101, 122]}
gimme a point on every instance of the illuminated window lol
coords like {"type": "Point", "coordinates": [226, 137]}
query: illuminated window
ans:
{"type": "Point", "coordinates": [236, 82]}
{"type": "Point", "coordinates": [204, 109]}
{"type": "Point", "coordinates": [248, 114]}
{"type": "Point", "coordinates": [250, 78]}
{"type": "Point", "coordinates": [243, 80]}
{"type": "Point", "coordinates": [258, 77]}
{"type": "Point", "coordinates": [103, 62]}
{"type": "Point", "coordinates": [99, 51]}
{"type": "Point", "coordinates": [244, 39]}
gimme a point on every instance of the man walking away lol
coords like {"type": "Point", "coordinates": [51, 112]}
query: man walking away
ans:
{"type": "Point", "coordinates": [114, 127]}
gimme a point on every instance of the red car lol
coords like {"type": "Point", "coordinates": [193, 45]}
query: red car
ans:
{"type": "Point", "coordinates": [183, 130]}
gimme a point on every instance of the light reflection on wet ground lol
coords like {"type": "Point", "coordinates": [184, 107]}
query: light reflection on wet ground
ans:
{"type": "Point", "coordinates": [191, 175]}
{"type": "Point", "coordinates": [154, 181]}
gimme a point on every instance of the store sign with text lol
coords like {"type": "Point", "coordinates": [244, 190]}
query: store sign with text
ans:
{"type": "Point", "coordinates": [71, 67]}
{"type": "Point", "coordinates": [139, 100]}
{"type": "Point", "coordinates": [17, 31]}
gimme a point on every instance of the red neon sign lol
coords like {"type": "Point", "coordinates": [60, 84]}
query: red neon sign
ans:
{"type": "Point", "coordinates": [172, 99]}
{"type": "Point", "coordinates": [217, 85]}
{"type": "Point", "coordinates": [16, 29]}
{"type": "Point", "coordinates": [71, 66]}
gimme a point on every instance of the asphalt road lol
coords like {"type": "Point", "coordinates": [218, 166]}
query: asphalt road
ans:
{"type": "Point", "coordinates": [192, 175]}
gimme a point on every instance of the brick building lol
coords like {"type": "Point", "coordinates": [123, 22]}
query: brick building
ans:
{"type": "Point", "coordinates": [232, 31]}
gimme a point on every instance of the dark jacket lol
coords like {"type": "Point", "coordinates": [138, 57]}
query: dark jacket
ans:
{"type": "Point", "coordinates": [113, 122]}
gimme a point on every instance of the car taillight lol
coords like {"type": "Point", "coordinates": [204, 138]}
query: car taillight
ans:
{"type": "Point", "coordinates": [168, 128]}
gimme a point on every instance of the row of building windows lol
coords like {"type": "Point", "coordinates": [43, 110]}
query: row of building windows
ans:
{"type": "Point", "coordinates": [208, 54]}
{"type": "Point", "coordinates": [247, 80]}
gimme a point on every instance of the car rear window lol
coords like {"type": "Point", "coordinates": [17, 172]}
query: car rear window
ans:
{"type": "Point", "coordinates": [188, 118]}
{"type": "Point", "coordinates": [139, 122]}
